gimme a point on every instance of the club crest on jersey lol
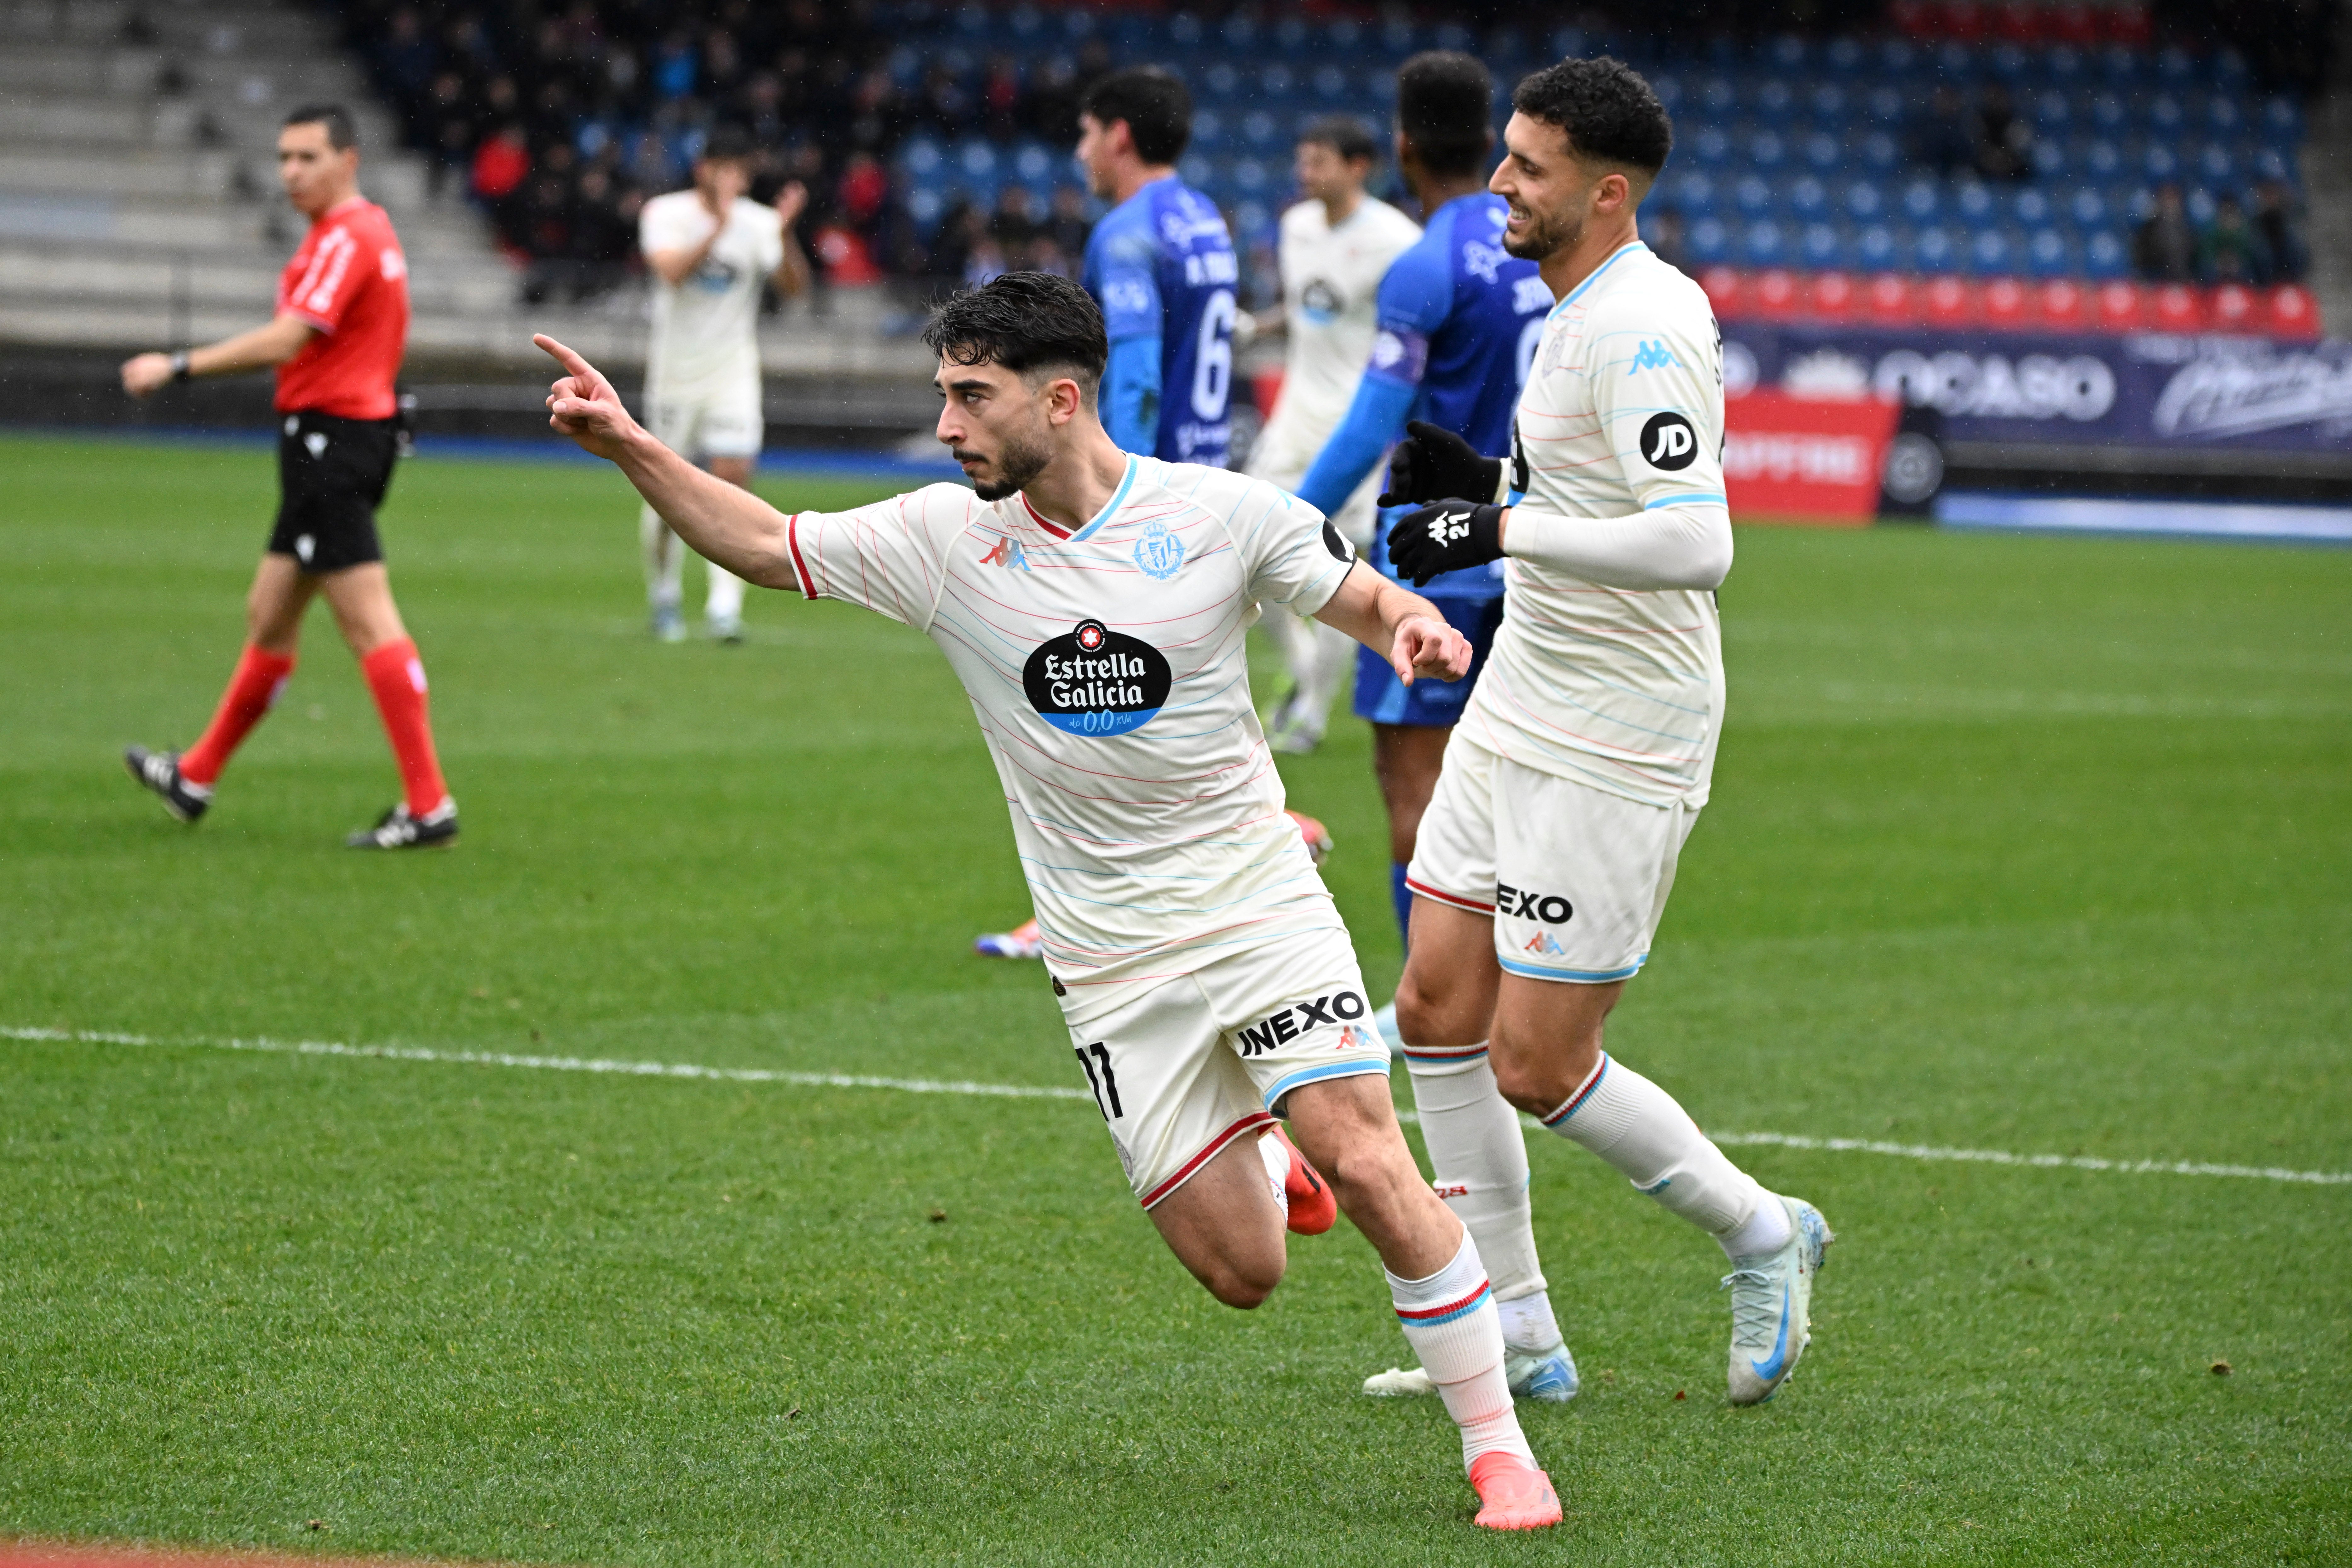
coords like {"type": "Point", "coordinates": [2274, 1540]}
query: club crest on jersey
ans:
{"type": "Point", "coordinates": [1158, 553]}
{"type": "Point", "coordinates": [1096, 681]}
{"type": "Point", "coordinates": [1008, 554]}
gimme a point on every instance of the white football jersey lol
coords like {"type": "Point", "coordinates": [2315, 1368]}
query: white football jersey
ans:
{"type": "Point", "coordinates": [1622, 413]}
{"type": "Point", "coordinates": [704, 331]}
{"type": "Point", "coordinates": [1107, 669]}
{"type": "Point", "coordinates": [1330, 281]}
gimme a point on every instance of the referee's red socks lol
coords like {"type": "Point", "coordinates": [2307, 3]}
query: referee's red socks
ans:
{"type": "Point", "coordinates": [259, 678]}
{"type": "Point", "coordinates": [396, 675]}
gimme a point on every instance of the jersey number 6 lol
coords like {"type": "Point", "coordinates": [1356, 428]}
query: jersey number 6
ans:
{"type": "Point", "coordinates": [1213, 357]}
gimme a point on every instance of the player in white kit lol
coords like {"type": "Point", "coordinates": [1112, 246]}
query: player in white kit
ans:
{"type": "Point", "coordinates": [1095, 606]}
{"type": "Point", "coordinates": [1335, 247]}
{"type": "Point", "coordinates": [711, 250]}
{"type": "Point", "coordinates": [1545, 860]}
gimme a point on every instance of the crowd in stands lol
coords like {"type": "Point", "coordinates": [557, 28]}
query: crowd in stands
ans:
{"type": "Point", "coordinates": [561, 117]}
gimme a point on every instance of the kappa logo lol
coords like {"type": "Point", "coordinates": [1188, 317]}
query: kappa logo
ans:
{"type": "Point", "coordinates": [1542, 943]}
{"type": "Point", "coordinates": [1518, 903]}
{"type": "Point", "coordinates": [1008, 554]}
{"type": "Point", "coordinates": [1654, 354]}
{"type": "Point", "coordinates": [1282, 1027]}
{"type": "Point", "coordinates": [1160, 553]}
{"type": "Point", "coordinates": [1448, 526]}
{"type": "Point", "coordinates": [1668, 442]}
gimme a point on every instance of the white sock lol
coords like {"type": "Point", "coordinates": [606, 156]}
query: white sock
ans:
{"type": "Point", "coordinates": [1478, 1158]}
{"type": "Point", "coordinates": [1277, 1171]}
{"type": "Point", "coordinates": [665, 555]}
{"type": "Point", "coordinates": [1451, 1323]}
{"type": "Point", "coordinates": [1528, 1326]}
{"type": "Point", "coordinates": [1767, 1230]}
{"type": "Point", "coordinates": [1638, 1128]}
{"type": "Point", "coordinates": [725, 600]}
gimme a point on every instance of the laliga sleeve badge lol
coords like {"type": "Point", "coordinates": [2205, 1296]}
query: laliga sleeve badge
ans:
{"type": "Point", "coordinates": [1669, 442]}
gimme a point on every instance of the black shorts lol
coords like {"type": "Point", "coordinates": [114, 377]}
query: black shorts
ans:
{"type": "Point", "coordinates": [331, 476]}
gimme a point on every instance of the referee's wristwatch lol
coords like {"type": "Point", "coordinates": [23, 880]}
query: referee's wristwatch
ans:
{"type": "Point", "coordinates": [180, 371]}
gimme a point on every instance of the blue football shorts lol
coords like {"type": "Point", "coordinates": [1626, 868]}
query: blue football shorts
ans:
{"type": "Point", "coordinates": [1381, 697]}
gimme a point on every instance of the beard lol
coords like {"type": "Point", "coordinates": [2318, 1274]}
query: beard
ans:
{"type": "Point", "coordinates": [1020, 462]}
{"type": "Point", "coordinates": [1545, 236]}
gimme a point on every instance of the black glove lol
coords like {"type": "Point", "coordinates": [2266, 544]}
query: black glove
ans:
{"type": "Point", "coordinates": [1446, 537]}
{"type": "Point", "coordinates": [1431, 464]}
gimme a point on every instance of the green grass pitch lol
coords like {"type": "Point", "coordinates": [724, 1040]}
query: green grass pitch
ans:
{"type": "Point", "coordinates": [2018, 844]}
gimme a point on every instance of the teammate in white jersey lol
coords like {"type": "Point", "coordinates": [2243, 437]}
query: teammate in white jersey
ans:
{"type": "Point", "coordinates": [1095, 606]}
{"type": "Point", "coordinates": [1335, 247]}
{"type": "Point", "coordinates": [711, 250]}
{"type": "Point", "coordinates": [1569, 787]}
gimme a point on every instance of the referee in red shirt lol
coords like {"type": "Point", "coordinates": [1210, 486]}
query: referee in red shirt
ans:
{"type": "Point", "coordinates": [336, 340]}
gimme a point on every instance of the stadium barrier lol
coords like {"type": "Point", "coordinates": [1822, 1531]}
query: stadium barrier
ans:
{"type": "Point", "coordinates": [1817, 459]}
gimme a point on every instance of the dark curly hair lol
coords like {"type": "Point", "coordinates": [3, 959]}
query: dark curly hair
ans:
{"type": "Point", "coordinates": [1445, 101]}
{"type": "Point", "coordinates": [1024, 322]}
{"type": "Point", "coordinates": [1607, 110]}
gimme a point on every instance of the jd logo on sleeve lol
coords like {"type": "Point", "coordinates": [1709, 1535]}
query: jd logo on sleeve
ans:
{"type": "Point", "coordinates": [1668, 442]}
{"type": "Point", "coordinates": [1096, 681]}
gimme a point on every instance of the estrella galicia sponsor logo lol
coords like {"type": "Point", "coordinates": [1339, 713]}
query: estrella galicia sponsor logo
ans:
{"type": "Point", "coordinates": [1518, 903]}
{"type": "Point", "coordinates": [1654, 354]}
{"type": "Point", "coordinates": [1668, 442]}
{"type": "Point", "coordinates": [1281, 1027]}
{"type": "Point", "coordinates": [1096, 681]}
{"type": "Point", "coordinates": [1160, 553]}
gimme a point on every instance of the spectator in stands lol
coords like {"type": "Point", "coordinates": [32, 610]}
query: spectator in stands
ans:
{"type": "Point", "coordinates": [2004, 142]}
{"type": "Point", "coordinates": [1011, 226]}
{"type": "Point", "coordinates": [1947, 140]}
{"type": "Point", "coordinates": [1068, 227]}
{"type": "Point", "coordinates": [1662, 233]}
{"type": "Point", "coordinates": [2165, 249]}
{"type": "Point", "coordinates": [984, 259]}
{"type": "Point", "coordinates": [501, 163]}
{"type": "Point", "coordinates": [2230, 251]}
{"type": "Point", "coordinates": [2279, 221]}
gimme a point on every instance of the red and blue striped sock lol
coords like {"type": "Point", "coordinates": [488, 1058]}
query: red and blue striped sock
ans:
{"type": "Point", "coordinates": [1450, 1321]}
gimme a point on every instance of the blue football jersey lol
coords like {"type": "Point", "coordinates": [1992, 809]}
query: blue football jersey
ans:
{"type": "Point", "coordinates": [1459, 321]}
{"type": "Point", "coordinates": [1162, 265]}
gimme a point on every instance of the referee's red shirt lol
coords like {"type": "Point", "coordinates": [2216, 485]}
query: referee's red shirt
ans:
{"type": "Point", "coordinates": [349, 281]}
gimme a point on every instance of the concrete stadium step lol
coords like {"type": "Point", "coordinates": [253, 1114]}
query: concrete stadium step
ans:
{"type": "Point", "coordinates": [116, 276]}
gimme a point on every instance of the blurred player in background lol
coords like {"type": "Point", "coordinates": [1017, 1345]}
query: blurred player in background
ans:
{"type": "Point", "coordinates": [1095, 604]}
{"type": "Point", "coordinates": [712, 249]}
{"type": "Point", "coordinates": [1335, 247]}
{"type": "Point", "coordinates": [1457, 318]}
{"type": "Point", "coordinates": [1161, 266]}
{"type": "Point", "coordinates": [1576, 775]}
{"type": "Point", "coordinates": [337, 341]}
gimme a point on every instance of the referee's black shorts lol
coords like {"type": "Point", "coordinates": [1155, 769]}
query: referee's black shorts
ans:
{"type": "Point", "coordinates": [331, 476]}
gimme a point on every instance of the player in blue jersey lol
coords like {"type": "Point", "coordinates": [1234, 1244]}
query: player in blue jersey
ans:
{"type": "Point", "coordinates": [1458, 320]}
{"type": "Point", "coordinates": [1162, 265]}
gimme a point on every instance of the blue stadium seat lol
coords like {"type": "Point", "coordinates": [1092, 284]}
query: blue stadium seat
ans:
{"type": "Point", "coordinates": [1035, 165]}
{"type": "Point", "coordinates": [2008, 65]}
{"type": "Point", "coordinates": [1823, 153]}
{"type": "Point", "coordinates": [2052, 159]}
{"type": "Point", "coordinates": [1972, 201]}
{"type": "Point", "coordinates": [2282, 121]}
{"type": "Point", "coordinates": [1753, 194]}
{"type": "Point", "coordinates": [1711, 148]}
{"type": "Point", "coordinates": [1864, 201]}
{"type": "Point", "coordinates": [1276, 82]}
{"type": "Point", "coordinates": [1764, 245]}
{"type": "Point", "coordinates": [2061, 66]}
{"type": "Point", "coordinates": [925, 207]}
{"type": "Point", "coordinates": [1881, 152]}
{"type": "Point", "coordinates": [2109, 114]}
{"type": "Point", "coordinates": [1843, 55]}
{"type": "Point", "coordinates": [2174, 65]}
{"type": "Point", "coordinates": [1773, 99]}
{"type": "Point", "coordinates": [1691, 193]}
{"type": "Point", "coordinates": [2104, 256]}
{"type": "Point", "coordinates": [1208, 130]}
{"type": "Point", "coordinates": [1670, 91]}
{"type": "Point", "coordinates": [1819, 247]}
{"type": "Point", "coordinates": [1766, 150]}
{"type": "Point", "coordinates": [1708, 242]}
{"type": "Point", "coordinates": [2223, 116]}
{"type": "Point", "coordinates": [1933, 250]}
{"type": "Point", "coordinates": [1330, 83]}
{"type": "Point", "coordinates": [2102, 160]}
{"type": "Point", "coordinates": [1876, 249]}
{"type": "Point", "coordinates": [2047, 255]}
{"type": "Point", "coordinates": [1789, 53]}
{"type": "Point", "coordinates": [2215, 166]}
{"type": "Point", "coordinates": [1809, 199]}
{"type": "Point", "coordinates": [1885, 106]}
{"type": "Point", "coordinates": [2051, 113]}
{"type": "Point", "coordinates": [1200, 172]}
{"type": "Point", "coordinates": [2270, 163]}
{"type": "Point", "coordinates": [921, 157]}
{"type": "Point", "coordinates": [1251, 177]}
{"type": "Point", "coordinates": [2032, 207]}
{"type": "Point", "coordinates": [1922, 200]}
{"type": "Point", "coordinates": [2088, 208]}
{"type": "Point", "coordinates": [1896, 59]}
{"type": "Point", "coordinates": [1828, 104]}
{"type": "Point", "coordinates": [2198, 202]}
{"type": "Point", "coordinates": [2119, 67]}
{"type": "Point", "coordinates": [1992, 253]}
{"type": "Point", "coordinates": [1261, 131]}
{"type": "Point", "coordinates": [1221, 81]}
{"type": "Point", "coordinates": [2159, 163]}
{"type": "Point", "coordinates": [2164, 116]}
{"type": "Point", "coordinates": [1718, 99]}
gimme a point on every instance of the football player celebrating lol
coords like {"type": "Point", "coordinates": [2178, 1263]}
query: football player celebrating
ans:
{"type": "Point", "coordinates": [336, 339]}
{"type": "Point", "coordinates": [1336, 246]}
{"type": "Point", "coordinates": [711, 250]}
{"type": "Point", "coordinates": [1094, 605]}
{"type": "Point", "coordinates": [1585, 753]}
{"type": "Point", "coordinates": [1456, 317]}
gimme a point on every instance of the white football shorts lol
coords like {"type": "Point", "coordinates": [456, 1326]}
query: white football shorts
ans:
{"type": "Point", "coordinates": [1202, 1059]}
{"type": "Point", "coordinates": [722, 420]}
{"type": "Point", "coordinates": [1575, 878]}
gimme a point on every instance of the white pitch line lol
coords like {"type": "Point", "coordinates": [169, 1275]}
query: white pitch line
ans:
{"type": "Point", "coordinates": [1036, 1091]}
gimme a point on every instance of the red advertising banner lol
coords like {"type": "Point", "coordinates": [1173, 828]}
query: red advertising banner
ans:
{"type": "Point", "coordinates": [1806, 459]}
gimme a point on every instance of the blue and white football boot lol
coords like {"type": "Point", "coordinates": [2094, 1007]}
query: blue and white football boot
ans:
{"type": "Point", "coordinates": [1771, 1302]}
{"type": "Point", "coordinates": [1549, 1376]}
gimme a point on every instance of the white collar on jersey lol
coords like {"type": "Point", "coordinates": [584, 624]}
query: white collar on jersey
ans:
{"type": "Point", "coordinates": [1614, 257]}
{"type": "Point", "coordinates": [1094, 525]}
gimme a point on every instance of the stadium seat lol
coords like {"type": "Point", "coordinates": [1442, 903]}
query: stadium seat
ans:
{"type": "Point", "coordinates": [2231, 307]}
{"type": "Point", "coordinates": [1766, 150]}
{"type": "Point", "coordinates": [2292, 312]}
{"type": "Point", "coordinates": [1820, 246]}
{"type": "Point", "coordinates": [1923, 201]}
{"type": "Point", "coordinates": [2003, 302]}
{"type": "Point", "coordinates": [1864, 201]}
{"type": "Point", "coordinates": [2104, 256]}
{"type": "Point", "coordinates": [1710, 242]}
{"type": "Point", "coordinates": [1949, 302]}
{"type": "Point", "coordinates": [2178, 307]}
{"type": "Point", "coordinates": [1809, 199]}
{"type": "Point", "coordinates": [2061, 305]}
{"type": "Point", "coordinates": [1775, 294]}
{"type": "Point", "coordinates": [1933, 250]}
{"type": "Point", "coordinates": [1726, 291]}
{"type": "Point", "coordinates": [2120, 306]}
{"type": "Point", "coordinates": [1832, 296]}
{"type": "Point", "coordinates": [1764, 244]}
{"type": "Point", "coordinates": [2047, 255]}
{"type": "Point", "coordinates": [1876, 248]}
{"type": "Point", "coordinates": [1754, 196]}
{"type": "Point", "coordinates": [1889, 299]}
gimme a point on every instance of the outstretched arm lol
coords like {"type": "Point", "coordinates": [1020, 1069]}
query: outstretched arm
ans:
{"type": "Point", "coordinates": [725, 523]}
{"type": "Point", "coordinates": [258, 349]}
{"type": "Point", "coordinates": [1397, 623]}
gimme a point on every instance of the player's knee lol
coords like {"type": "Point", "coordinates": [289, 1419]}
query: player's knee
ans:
{"type": "Point", "coordinates": [1429, 1014]}
{"type": "Point", "coordinates": [1243, 1283]}
{"type": "Point", "coordinates": [1538, 1081]}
